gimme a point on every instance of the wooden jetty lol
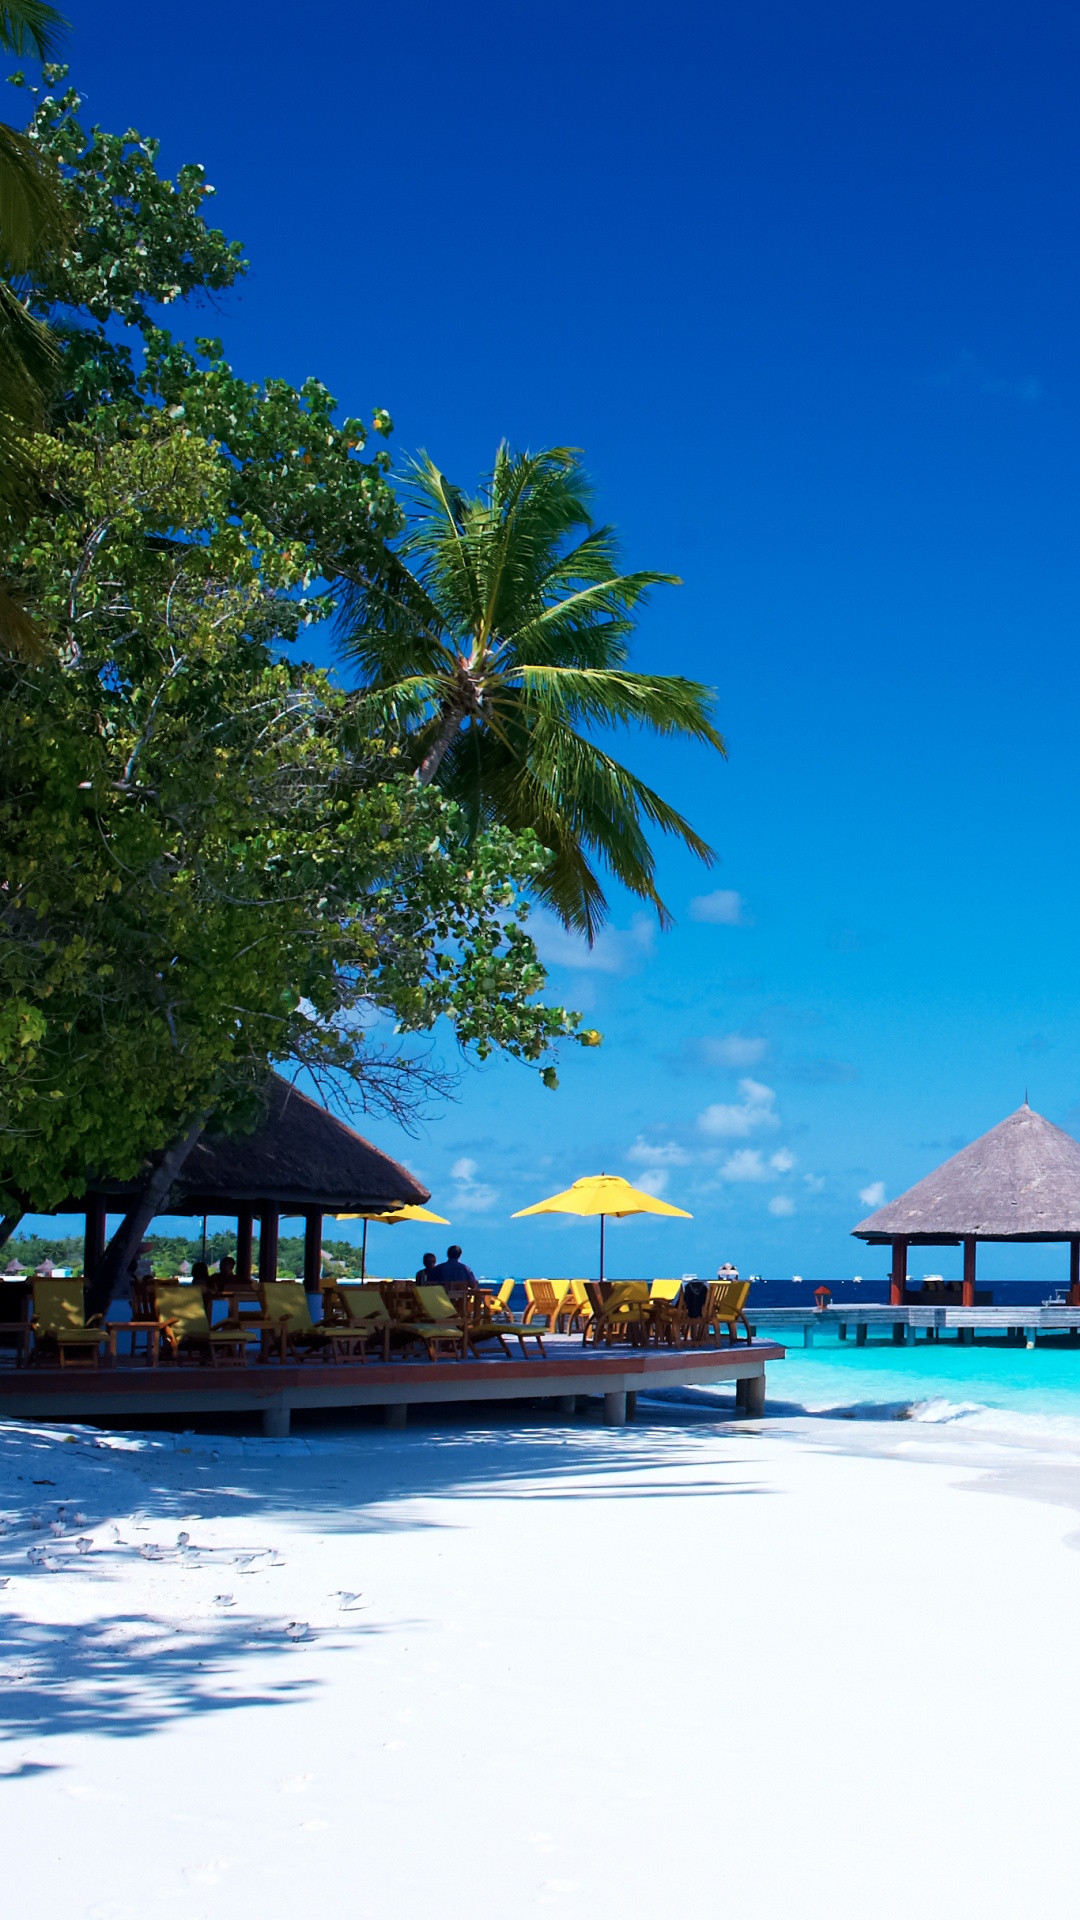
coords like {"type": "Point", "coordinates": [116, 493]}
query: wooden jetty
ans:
{"type": "Point", "coordinates": [904, 1323]}
{"type": "Point", "coordinates": [128, 1392]}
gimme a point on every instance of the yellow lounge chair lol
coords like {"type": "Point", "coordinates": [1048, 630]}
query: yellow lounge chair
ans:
{"type": "Point", "coordinates": [723, 1307]}
{"type": "Point", "coordinates": [365, 1313]}
{"type": "Point", "coordinates": [440, 1324]}
{"type": "Point", "coordinates": [665, 1289]}
{"type": "Point", "coordinates": [185, 1327]}
{"type": "Point", "coordinates": [623, 1315]}
{"type": "Point", "coordinates": [579, 1305]}
{"type": "Point", "coordinates": [59, 1318]}
{"type": "Point", "coordinates": [497, 1305]}
{"type": "Point", "coordinates": [289, 1327]}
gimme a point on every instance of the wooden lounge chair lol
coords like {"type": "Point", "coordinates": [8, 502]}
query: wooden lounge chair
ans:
{"type": "Point", "coordinates": [438, 1323]}
{"type": "Point", "coordinates": [59, 1320]}
{"type": "Point", "coordinates": [288, 1328]}
{"type": "Point", "coordinates": [622, 1316]}
{"type": "Point", "coordinates": [186, 1329]}
{"type": "Point", "coordinates": [497, 1305]}
{"type": "Point", "coordinates": [545, 1298]}
{"type": "Point", "coordinates": [723, 1307]}
{"type": "Point", "coordinates": [577, 1306]}
{"type": "Point", "coordinates": [365, 1314]}
{"type": "Point", "coordinates": [483, 1327]}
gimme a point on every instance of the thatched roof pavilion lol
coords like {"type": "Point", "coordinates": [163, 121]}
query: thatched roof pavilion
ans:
{"type": "Point", "coordinates": [1020, 1181]}
{"type": "Point", "coordinates": [300, 1161]}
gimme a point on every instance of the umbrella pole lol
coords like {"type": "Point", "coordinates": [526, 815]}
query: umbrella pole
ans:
{"type": "Point", "coordinates": [601, 1249]}
{"type": "Point", "coordinates": [363, 1255]}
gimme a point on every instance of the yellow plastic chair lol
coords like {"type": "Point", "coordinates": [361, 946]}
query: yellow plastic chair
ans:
{"type": "Point", "coordinates": [497, 1305]}
{"type": "Point", "coordinates": [723, 1307]}
{"type": "Point", "coordinates": [59, 1318]}
{"type": "Point", "coordinates": [581, 1310]}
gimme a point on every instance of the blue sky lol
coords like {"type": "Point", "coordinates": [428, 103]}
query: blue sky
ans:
{"type": "Point", "coordinates": [803, 284]}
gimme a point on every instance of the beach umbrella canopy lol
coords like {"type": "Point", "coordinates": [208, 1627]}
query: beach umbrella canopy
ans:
{"type": "Point", "coordinates": [391, 1217]}
{"type": "Point", "coordinates": [604, 1193]}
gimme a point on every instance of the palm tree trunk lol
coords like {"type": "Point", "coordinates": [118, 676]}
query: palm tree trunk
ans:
{"type": "Point", "coordinates": [111, 1278]}
{"type": "Point", "coordinates": [433, 759]}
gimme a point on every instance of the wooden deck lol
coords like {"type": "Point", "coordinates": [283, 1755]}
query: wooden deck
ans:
{"type": "Point", "coordinates": [128, 1390]}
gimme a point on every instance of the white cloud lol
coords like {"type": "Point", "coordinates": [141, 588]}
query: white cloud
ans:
{"type": "Point", "coordinates": [814, 1182]}
{"type": "Point", "coordinates": [720, 909]}
{"type": "Point", "coordinates": [655, 1181]}
{"type": "Point", "coordinates": [733, 1050]}
{"type": "Point", "coordinates": [783, 1161]}
{"type": "Point", "coordinates": [782, 1205]}
{"type": "Point", "coordinates": [613, 951]}
{"type": "Point", "coordinates": [874, 1194]}
{"type": "Point", "coordinates": [745, 1164]}
{"type": "Point", "coordinates": [756, 1109]}
{"type": "Point", "coordinates": [657, 1153]}
{"type": "Point", "coordinates": [470, 1195]}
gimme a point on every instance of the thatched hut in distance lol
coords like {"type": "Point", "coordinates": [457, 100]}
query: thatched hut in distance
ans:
{"type": "Point", "coordinates": [1020, 1181]}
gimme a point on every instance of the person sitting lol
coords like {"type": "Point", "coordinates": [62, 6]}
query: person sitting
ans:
{"type": "Point", "coordinates": [200, 1274]}
{"type": "Point", "coordinates": [225, 1275]}
{"type": "Point", "coordinates": [452, 1272]}
{"type": "Point", "coordinates": [426, 1275]}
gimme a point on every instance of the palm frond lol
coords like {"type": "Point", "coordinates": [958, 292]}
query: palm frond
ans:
{"type": "Point", "coordinates": [31, 26]}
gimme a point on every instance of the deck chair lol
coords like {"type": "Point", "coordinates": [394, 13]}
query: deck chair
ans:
{"type": "Point", "coordinates": [438, 1323]}
{"type": "Point", "coordinates": [497, 1305]}
{"type": "Point", "coordinates": [577, 1307]}
{"type": "Point", "coordinates": [59, 1319]}
{"type": "Point", "coordinates": [723, 1307]}
{"type": "Point", "coordinates": [365, 1314]}
{"type": "Point", "coordinates": [483, 1327]}
{"type": "Point", "coordinates": [622, 1316]}
{"type": "Point", "coordinates": [544, 1299]}
{"type": "Point", "coordinates": [289, 1328]}
{"type": "Point", "coordinates": [665, 1289]}
{"type": "Point", "coordinates": [186, 1329]}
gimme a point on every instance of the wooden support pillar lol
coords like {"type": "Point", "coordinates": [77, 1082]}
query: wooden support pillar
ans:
{"type": "Point", "coordinates": [967, 1298]}
{"type": "Point", "coordinates": [312, 1251]}
{"type": "Point", "coordinates": [1074, 1271]}
{"type": "Point", "coordinates": [245, 1224]}
{"type": "Point", "coordinates": [898, 1276]}
{"type": "Point", "coordinates": [268, 1245]}
{"type": "Point", "coordinates": [94, 1236]}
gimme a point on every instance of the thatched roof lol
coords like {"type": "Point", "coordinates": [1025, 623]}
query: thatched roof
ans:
{"type": "Point", "coordinates": [298, 1157]}
{"type": "Point", "coordinates": [1020, 1181]}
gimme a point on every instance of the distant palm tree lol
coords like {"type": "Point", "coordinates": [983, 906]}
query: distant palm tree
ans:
{"type": "Point", "coordinates": [494, 638]}
{"type": "Point", "coordinates": [32, 224]}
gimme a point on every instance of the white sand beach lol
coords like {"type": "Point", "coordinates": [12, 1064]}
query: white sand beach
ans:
{"type": "Point", "coordinates": [797, 1668]}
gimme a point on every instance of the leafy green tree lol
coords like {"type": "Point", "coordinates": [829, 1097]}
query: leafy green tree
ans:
{"type": "Point", "coordinates": [494, 639]}
{"type": "Point", "coordinates": [208, 864]}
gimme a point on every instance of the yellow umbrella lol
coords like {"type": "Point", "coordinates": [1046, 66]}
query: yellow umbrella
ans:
{"type": "Point", "coordinates": [391, 1217]}
{"type": "Point", "coordinates": [603, 1193]}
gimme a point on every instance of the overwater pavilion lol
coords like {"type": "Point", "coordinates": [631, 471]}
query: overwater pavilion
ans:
{"type": "Point", "coordinates": [1019, 1182]}
{"type": "Point", "coordinates": [299, 1163]}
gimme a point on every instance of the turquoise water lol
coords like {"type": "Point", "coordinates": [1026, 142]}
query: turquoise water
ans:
{"type": "Point", "coordinates": [1043, 1382]}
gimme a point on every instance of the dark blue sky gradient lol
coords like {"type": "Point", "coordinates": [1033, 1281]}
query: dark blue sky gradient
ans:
{"type": "Point", "coordinates": [803, 283]}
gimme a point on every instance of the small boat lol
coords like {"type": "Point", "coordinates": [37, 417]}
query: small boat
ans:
{"type": "Point", "coordinates": [1056, 1300]}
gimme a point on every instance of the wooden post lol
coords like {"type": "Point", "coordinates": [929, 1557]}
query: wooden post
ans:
{"type": "Point", "coordinates": [1074, 1271]}
{"type": "Point", "coordinates": [245, 1222]}
{"type": "Point", "coordinates": [967, 1298]}
{"type": "Point", "coordinates": [898, 1277]}
{"type": "Point", "coordinates": [268, 1245]}
{"type": "Point", "coordinates": [312, 1252]}
{"type": "Point", "coordinates": [94, 1237]}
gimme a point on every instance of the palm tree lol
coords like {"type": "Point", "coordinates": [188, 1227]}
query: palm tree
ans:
{"type": "Point", "coordinates": [494, 639]}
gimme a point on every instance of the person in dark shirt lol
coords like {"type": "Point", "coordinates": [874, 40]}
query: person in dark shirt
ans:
{"type": "Point", "coordinates": [426, 1275]}
{"type": "Point", "coordinates": [452, 1272]}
